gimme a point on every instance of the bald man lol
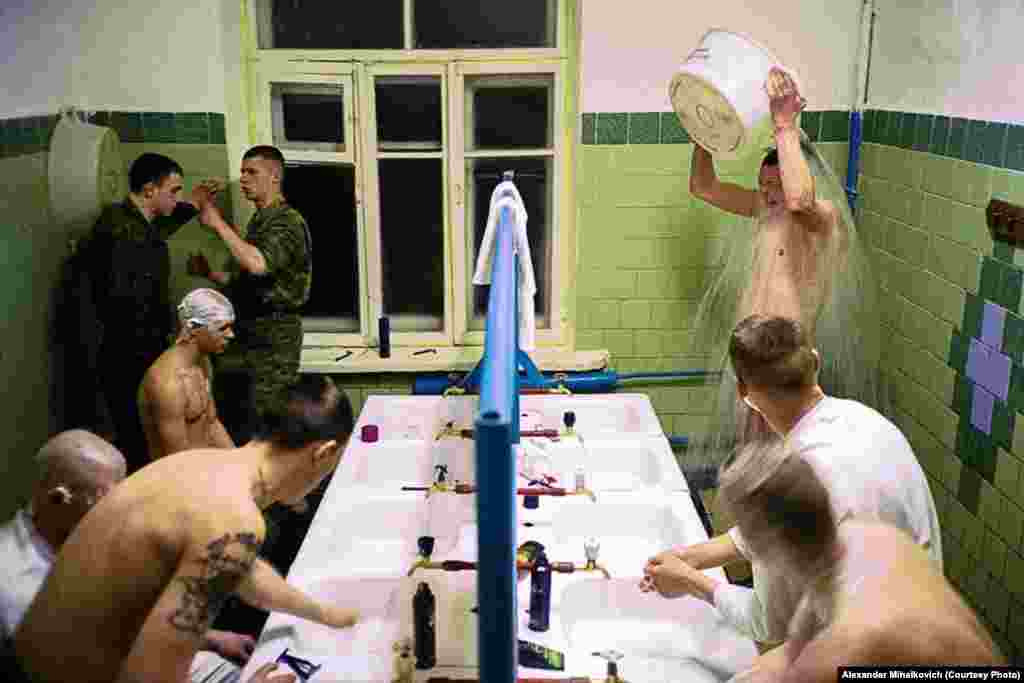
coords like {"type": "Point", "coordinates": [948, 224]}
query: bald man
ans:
{"type": "Point", "coordinates": [152, 564]}
{"type": "Point", "coordinates": [75, 470]}
{"type": "Point", "coordinates": [175, 397]}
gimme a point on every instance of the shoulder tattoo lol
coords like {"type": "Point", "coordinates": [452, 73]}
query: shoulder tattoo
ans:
{"type": "Point", "coordinates": [227, 562]}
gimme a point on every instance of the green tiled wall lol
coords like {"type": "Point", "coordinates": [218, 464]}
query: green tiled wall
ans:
{"type": "Point", "coordinates": [31, 134]}
{"type": "Point", "coordinates": [652, 128]}
{"type": "Point", "coordinates": [925, 182]}
{"type": "Point", "coordinates": [647, 249]}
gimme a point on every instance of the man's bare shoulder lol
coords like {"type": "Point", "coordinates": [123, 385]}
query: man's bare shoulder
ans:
{"type": "Point", "coordinates": [822, 219]}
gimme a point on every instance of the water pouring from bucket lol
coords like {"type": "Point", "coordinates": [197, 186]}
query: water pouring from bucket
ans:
{"type": "Point", "coordinates": [719, 94]}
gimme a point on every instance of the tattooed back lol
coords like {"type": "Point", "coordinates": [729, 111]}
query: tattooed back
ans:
{"type": "Point", "coordinates": [148, 567]}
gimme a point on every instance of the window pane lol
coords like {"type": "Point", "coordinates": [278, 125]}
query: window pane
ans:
{"type": "Point", "coordinates": [534, 180]}
{"type": "Point", "coordinates": [412, 243]}
{"type": "Point", "coordinates": [409, 113]}
{"type": "Point", "coordinates": [315, 24]}
{"type": "Point", "coordinates": [308, 116]}
{"type": "Point", "coordinates": [468, 24]}
{"type": "Point", "coordinates": [325, 196]}
{"type": "Point", "coordinates": [509, 112]}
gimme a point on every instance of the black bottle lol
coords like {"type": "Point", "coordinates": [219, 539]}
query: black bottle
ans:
{"type": "Point", "coordinates": [384, 336]}
{"type": "Point", "coordinates": [424, 610]}
{"type": "Point", "coordinates": [540, 593]}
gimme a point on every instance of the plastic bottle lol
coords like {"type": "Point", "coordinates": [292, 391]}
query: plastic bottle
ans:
{"type": "Point", "coordinates": [424, 610]}
{"type": "Point", "coordinates": [540, 593]}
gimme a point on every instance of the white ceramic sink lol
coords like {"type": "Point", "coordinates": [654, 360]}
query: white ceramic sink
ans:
{"type": "Point", "coordinates": [618, 465]}
{"type": "Point", "coordinates": [391, 464]}
{"type": "Point", "coordinates": [599, 615]}
{"type": "Point", "coordinates": [614, 416]}
{"type": "Point", "coordinates": [629, 529]}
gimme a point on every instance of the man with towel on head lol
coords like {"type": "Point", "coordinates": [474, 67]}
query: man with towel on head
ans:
{"type": "Point", "coordinates": [176, 397]}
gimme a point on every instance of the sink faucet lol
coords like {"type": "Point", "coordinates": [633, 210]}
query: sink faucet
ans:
{"type": "Point", "coordinates": [591, 549]}
{"type": "Point", "coordinates": [612, 657]}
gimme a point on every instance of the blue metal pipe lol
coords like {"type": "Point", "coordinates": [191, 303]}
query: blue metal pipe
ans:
{"type": "Point", "coordinates": [496, 542]}
{"type": "Point", "coordinates": [853, 161]}
{"type": "Point", "coordinates": [593, 382]}
{"type": "Point", "coordinates": [499, 374]}
{"type": "Point", "coordinates": [497, 428]}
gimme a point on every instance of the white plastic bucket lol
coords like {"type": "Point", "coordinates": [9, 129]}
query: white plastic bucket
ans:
{"type": "Point", "coordinates": [719, 96]}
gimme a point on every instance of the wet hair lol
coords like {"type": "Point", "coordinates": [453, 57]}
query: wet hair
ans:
{"type": "Point", "coordinates": [204, 307]}
{"type": "Point", "coordinates": [778, 501]}
{"type": "Point", "coordinates": [312, 409]}
{"type": "Point", "coordinates": [151, 168]}
{"type": "Point", "coordinates": [772, 353]}
{"type": "Point", "coordinates": [269, 153]}
{"type": "Point", "coordinates": [770, 159]}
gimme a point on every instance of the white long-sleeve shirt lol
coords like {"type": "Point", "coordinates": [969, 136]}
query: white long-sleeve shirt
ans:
{"type": "Point", "coordinates": [870, 472]}
{"type": "Point", "coordinates": [26, 558]}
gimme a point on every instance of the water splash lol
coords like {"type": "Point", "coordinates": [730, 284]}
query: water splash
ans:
{"type": "Point", "coordinates": [840, 309]}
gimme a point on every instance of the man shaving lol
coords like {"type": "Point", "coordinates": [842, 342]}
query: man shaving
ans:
{"type": "Point", "coordinates": [175, 398]}
{"type": "Point", "coordinates": [138, 583]}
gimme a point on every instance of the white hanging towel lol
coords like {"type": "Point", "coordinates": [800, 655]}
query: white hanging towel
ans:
{"type": "Point", "coordinates": [521, 245]}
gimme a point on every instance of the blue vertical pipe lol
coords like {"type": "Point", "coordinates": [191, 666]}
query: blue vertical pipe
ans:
{"type": "Point", "coordinates": [495, 577]}
{"type": "Point", "coordinates": [495, 468]}
{"type": "Point", "coordinates": [853, 161]}
{"type": "Point", "coordinates": [515, 349]}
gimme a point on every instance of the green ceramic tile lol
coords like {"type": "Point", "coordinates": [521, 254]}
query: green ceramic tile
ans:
{"type": "Point", "coordinates": [867, 125]}
{"type": "Point", "coordinates": [923, 132]}
{"type": "Point", "coordinates": [907, 126]}
{"type": "Point", "coordinates": [810, 121]}
{"type": "Point", "coordinates": [985, 453]}
{"type": "Point", "coordinates": [587, 129]}
{"type": "Point", "coordinates": [671, 130]}
{"type": "Point", "coordinates": [1016, 395]}
{"type": "Point", "coordinates": [973, 310]}
{"type": "Point", "coordinates": [963, 390]}
{"type": "Point", "coordinates": [969, 491]}
{"type": "Point", "coordinates": [835, 126]}
{"type": "Point", "coordinates": [1015, 147]}
{"type": "Point", "coordinates": [644, 128]}
{"type": "Point", "coordinates": [612, 128]}
{"type": "Point", "coordinates": [893, 131]}
{"type": "Point", "coordinates": [128, 125]}
{"type": "Point", "coordinates": [1013, 337]}
{"type": "Point", "coordinates": [986, 142]}
{"type": "Point", "coordinates": [1013, 278]}
{"type": "Point", "coordinates": [991, 280]}
{"type": "Point", "coordinates": [940, 135]}
{"type": "Point", "coordinates": [192, 128]}
{"type": "Point", "coordinates": [1002, 251]}
{"type": "Point", "coordinates": [957, 351]}
{"type": "Point", "coordinates": [218, 136]}
{"type": "Point", "coordinates": [158, 127]}
{"type": "Point", "coordinates": [882, 126]}
{"type": "Point", "coordinates": [1003, 421]}
{"type": "Point", "coordinates": [956, 145]}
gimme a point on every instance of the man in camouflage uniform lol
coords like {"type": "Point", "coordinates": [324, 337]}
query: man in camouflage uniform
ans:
{"type": "Point", "coordinates": [268, 279]}
{"type": "Point", "coordinates": [128, 262]}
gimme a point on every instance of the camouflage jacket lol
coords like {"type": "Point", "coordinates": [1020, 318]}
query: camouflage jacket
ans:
{"type": "Point", "coordinates": [282, 236]}
{"type": "Point", "coordinates": [129, 265]}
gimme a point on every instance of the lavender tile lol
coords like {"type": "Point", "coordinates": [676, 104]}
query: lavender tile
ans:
{"type": "Point", "coordinates": [989, 368]}
{"type": "Point", "coordinates": [982, 408]}
{"type": "Point", "coordinates": [993, 321]}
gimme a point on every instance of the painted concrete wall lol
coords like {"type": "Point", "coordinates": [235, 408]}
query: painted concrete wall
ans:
{"type": "Point", "coordinates": [630, 52]}
{"type": "Point", "coordinates": [949, 57]}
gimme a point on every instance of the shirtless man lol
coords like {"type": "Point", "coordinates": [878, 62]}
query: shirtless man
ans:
{"type": "Point", "coordinates": [793, 226]}
{"type": "Point", "coordinates": [150, 566]}
{"type": "Point", "coordinates": [175, 398]}
{"type": "Point", "coordinates": [871, 595]}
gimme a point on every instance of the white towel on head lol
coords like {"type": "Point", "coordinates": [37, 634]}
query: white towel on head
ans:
{"type": "Point", "coordinates": [521, 245]}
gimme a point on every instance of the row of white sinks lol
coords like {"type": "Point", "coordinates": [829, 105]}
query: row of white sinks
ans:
{"type": "Point", "coordinates": [363, 541]}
